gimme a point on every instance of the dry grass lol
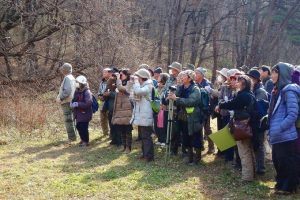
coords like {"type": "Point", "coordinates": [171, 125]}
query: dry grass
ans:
{"type": "Point", "coordinates": [47, 169]}
{"type": "Point", "coordinates": [40, 166]}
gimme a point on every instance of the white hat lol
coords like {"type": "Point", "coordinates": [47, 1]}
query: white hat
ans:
{"type": "Point", "coordinates": [223, 72]}
{"type": "Point", "coordinates": [81, 79]}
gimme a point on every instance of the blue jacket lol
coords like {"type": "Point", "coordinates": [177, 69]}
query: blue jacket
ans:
{"type": "Point", "coordinates": [284, 115]}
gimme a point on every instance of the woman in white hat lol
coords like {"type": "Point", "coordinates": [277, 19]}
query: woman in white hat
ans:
{"type": "Point", "coordinates": [82, 108]}
{"type": "Point", "coordinates": [142, 115]}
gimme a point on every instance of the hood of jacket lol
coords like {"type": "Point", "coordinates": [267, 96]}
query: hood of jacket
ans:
{"type": "Point", "coordinates": [285, 74]}
{"type": "Point", "coordinates": [292, 87]}
{"type": "Point", "coordinates": [147, 82]}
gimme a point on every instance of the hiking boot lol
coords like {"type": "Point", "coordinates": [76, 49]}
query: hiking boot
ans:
{"type": "Point", "coordinates": [124, 149]}
{"type": "Point", "coordinates": [128, 150]}
{"type": "Point", "coordinates": [190, 155]}
{"type": "Point", "coordinates": [197, 156]}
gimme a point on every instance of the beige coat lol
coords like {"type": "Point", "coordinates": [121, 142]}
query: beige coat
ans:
{"type": "Point", "coordinates": [122, 107]}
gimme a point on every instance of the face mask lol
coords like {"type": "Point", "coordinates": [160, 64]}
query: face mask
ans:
{"type": "Point", "coordinates": [77, 85]}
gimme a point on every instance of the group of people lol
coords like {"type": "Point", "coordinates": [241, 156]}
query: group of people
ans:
{"type": "Point", "coordinates": [267, 98]}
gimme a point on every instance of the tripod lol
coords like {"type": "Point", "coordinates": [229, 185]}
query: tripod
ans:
{"type": "Point", "coordinates": [169, 129]}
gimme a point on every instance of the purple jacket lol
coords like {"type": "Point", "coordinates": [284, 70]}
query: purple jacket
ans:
{"type": "Point", "coordinates": [83, 113]}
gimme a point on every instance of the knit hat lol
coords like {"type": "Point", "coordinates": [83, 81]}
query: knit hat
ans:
{"type": "Point", "coordinates": [143, 73]}
{"type": "Point", "coordinates": [66, 67]}
{"type": "Point", "coordinates": [176, 65]}
{"type": "Point", "coordinates": [265, 68]}
{"type": "Point", "coordinates": [201, 70]}
{"type": "Point", "coordinates": [190, 73]}
{"type": "Point", "coordinates": [144, 66]}
{"type": "Point", "coordinates": [158, 70]}
{"type": "Point", "coordinates": [254, 73]}
{"type": "Point", "coordinates": [223, 72]}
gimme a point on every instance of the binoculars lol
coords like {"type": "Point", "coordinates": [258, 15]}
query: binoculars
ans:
{"type": "Point", "coordinates": [172, 88]}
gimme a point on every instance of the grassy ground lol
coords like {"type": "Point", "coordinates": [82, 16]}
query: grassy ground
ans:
{"type": "Point", "coordinates": [47, 169]}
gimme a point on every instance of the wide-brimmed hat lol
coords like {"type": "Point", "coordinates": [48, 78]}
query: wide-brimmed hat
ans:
{"type": "Point", "coordinates": [144, 66]}
{"type": "Point", "coordinates": [143, 73]}
{"type": "Point", "coordinates": [189, 66]}
{"type": "Point", "coordinates": [254, 73]}
{"type": "Point", "coordinates": [201, 70]}
{"type": "Point", "coordinates": [223, 72]}
{"type": "Point", "coordinates": [176, 65]}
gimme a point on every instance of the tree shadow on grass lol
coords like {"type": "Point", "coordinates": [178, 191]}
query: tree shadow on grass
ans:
{"type": "Point", "coordinates": [35, 149]}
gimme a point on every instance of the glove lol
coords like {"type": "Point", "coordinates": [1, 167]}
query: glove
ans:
{"type": "Point", "coordinates": [74, 104]}
{"type": "Point", "coordinates": [207, 88]}
{"type": "Point", "coordinates": [231, 113]}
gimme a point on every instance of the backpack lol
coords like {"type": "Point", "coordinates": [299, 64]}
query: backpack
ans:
{"type": "Point", "coordinates": [204, 103]}
{"type": "Point", "coordinates": [155, 100]}
{"type": "Point", "coordinates": [262, 105]}
{"type": "Point", "coordinates": [95, 105]}
{"type": "Point", "coordinates": [262, 108]}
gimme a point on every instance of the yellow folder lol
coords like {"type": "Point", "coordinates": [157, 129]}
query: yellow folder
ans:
{"type": "Point", "coordinates": [223, 139]}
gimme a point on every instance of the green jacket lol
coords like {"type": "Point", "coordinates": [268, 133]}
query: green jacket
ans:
{"type": "Point", "coordinates": [194, 119]}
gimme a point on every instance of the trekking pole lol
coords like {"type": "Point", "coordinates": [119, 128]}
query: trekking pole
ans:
{"type": "Point", "coordinates": [169, 129]}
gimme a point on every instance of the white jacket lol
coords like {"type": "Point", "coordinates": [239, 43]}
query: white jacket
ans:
{"type": "Point", "coordinates": [142, 112]}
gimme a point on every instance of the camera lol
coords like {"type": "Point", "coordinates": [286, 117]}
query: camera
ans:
{"type": "Point", "coordinates": [172, 88]}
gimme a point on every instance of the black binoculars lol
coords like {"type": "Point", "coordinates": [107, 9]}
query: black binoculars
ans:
{"type": "Point", "coordinates": [172, 88]}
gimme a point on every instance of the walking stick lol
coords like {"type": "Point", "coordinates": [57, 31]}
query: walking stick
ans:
{"type": "Point", "coordinates": [169, 129]}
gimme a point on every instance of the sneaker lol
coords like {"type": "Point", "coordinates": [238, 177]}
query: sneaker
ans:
{"type": "Point", "coordinates": [84, 144]}
{"type": "Point", "coordinates": [157, 143]}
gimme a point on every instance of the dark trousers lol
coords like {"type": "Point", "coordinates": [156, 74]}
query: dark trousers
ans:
{"type": "Point", "coordinates": [126, 134]}
{"type": "Point", "coordinates": [260, 152]}
{"type": "Point", "coordinates": [285, 162]}
{"type": "Point", "coordinates": [207, 132]}
{"type": "Point", "coordinates": [147, 143]}
{"type": "Point", "coordinates": [83, 130]}
{"type": "Point", "coordinates": [195, 140]}
{"type": "Point", "coordinates": [114, 134]}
